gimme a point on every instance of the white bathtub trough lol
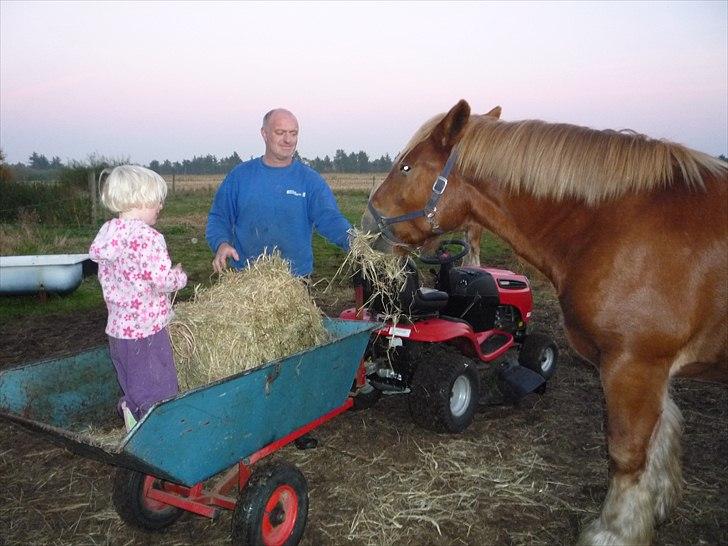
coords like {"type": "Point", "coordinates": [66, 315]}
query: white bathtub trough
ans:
{"type": "Point", "coordinates": [57, 273]}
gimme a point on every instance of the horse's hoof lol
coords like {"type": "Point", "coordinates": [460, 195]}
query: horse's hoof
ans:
{"type": "Point", "coordinates": [598, 534]}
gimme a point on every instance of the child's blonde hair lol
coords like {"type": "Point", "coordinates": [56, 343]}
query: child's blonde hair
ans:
{"type": "Point", "coordinates": [130, 186]}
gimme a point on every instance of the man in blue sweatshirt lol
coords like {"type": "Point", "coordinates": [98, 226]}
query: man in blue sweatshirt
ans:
{"type": "Point", "coordinates": [271, 202]}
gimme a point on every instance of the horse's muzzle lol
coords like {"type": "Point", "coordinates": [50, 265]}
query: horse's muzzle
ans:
{"type": "Point", "coordinates": [369, 224]}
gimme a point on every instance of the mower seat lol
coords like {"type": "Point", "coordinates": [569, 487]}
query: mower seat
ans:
{"type": "Point", "coordinates": [427, 301]}
{"type": "Point", "coordinates": [416, 300]}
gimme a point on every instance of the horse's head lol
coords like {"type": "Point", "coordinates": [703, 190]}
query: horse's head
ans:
{"type": "Point", "coordinates": [422, 196]}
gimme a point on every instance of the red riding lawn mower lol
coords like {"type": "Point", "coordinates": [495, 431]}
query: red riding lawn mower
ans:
{"type": "Point", "coordinates": [465, 343]}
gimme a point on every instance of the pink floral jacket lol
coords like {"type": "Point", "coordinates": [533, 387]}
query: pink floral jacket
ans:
{"type": "Point", "coordinates": [136, 277]}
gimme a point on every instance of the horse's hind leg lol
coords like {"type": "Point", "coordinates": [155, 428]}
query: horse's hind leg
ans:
{"type": "Point", "coordinates": [644, 427]}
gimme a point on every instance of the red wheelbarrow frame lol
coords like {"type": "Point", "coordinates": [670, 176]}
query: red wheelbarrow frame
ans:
{"type": "Point", "coordinates": [204, 502]}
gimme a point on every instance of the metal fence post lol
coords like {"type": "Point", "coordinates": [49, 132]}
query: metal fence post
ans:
{"type": "Point", "coordinates": [92, 189]}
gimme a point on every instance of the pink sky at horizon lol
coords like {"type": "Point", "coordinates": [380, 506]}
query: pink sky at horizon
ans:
{"type": "Point", "coordinates": [170, 80]}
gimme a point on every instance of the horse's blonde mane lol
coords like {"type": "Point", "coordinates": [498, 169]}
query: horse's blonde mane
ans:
{"type": "Point", "coordinates": [558, 160]}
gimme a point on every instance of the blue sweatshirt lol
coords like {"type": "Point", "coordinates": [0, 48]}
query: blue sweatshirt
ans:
{"type": "Point", "coordinates": [258, 207]}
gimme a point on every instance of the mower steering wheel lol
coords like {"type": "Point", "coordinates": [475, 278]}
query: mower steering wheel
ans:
{"type": "Point", "coordinates": [442, 256]}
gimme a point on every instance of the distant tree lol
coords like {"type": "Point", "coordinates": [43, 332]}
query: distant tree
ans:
{"type": "Point", "coordinates": [56, 162]}
{"type": "Point", "coordinates": [341, 161]}
{"type": "Point", "coordinates": [361, 162]}
{"type": "Point", "coordinates": [6, 174]}
{"type": "Point", "coordinates": [723, 158]}
{"type": "Point", "coordinates": [228, 163]}
{"type": "Point", "coordinates": [326, 164]}
{"type": "Point", "coordinates": [38, 161]}
{"type": "Point", "coordinates": [382, 165]}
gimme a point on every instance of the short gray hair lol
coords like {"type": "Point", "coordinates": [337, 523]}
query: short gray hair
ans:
{"type": "Point", "coordinates": [269, 114]}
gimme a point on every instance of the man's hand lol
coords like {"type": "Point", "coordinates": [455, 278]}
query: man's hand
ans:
{"type": "Point", "coordinates": [224, 251]}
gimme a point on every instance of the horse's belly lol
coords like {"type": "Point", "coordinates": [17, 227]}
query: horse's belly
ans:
{"type": "Point", "coordinates": [706, 357]}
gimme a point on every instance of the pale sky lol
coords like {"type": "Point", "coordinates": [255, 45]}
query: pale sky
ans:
{"type": "Point", "coordinates": [170, 80]}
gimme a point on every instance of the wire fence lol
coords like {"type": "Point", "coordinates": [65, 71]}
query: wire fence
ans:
{"type": "Point", "coordinates": [65, 202]}
{"type": "Point", "coordinates": [76, 202]}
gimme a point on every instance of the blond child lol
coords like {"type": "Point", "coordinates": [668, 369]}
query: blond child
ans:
{"type": "Point", "coordinates": [137, 277]}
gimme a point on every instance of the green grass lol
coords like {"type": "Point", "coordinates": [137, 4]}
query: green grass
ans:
{"type": "Point", "coordinates": [182, 222]}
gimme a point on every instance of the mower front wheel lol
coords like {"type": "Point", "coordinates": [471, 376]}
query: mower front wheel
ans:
{"type": "Point", "coordinates": [272, 508]}
{"type": "Point", "coordinates": [539, 354]}
{"type": "Point", "coordinates": [444, 392]}
{"type": "Point", "coordinates": [366, 397]}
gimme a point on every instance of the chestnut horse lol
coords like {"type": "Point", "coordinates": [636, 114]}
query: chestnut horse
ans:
{"type": "Point", "coordinates": [633, 234]}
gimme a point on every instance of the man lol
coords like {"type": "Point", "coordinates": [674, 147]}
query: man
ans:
{"type": "Point", "coordinates": [271, 202]}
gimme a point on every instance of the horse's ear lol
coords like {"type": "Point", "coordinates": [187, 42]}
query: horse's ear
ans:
{"type": "Point", "coordinates": [449, 130]}
{"type": "Point", "coordinates": [495, 113]}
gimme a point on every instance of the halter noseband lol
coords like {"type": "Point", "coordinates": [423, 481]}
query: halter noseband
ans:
{"type": "Point", "coordinates": [429, 211]}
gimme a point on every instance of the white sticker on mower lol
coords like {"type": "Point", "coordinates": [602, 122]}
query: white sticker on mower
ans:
{"type": "Point", "coordinates": [401, 332]}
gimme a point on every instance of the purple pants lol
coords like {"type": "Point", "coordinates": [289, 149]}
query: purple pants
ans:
{"type": "Point", "coordinates": [145, 370]}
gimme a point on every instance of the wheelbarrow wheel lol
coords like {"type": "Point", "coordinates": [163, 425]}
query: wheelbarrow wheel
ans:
{"type": "Point", "coordinates": [272, 508]}
{"type": "Point", "coordinates": [135, 508]}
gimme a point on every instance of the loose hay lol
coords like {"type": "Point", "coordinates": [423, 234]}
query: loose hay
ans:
{"type": "Point", "coordinates": [106, 437]}
{"type": "Point", "coordinates": [385, 273]}
{"type": "Point", "coordinates": [249, 317]}
{"type": "Point", "coordinates": [445, 486]}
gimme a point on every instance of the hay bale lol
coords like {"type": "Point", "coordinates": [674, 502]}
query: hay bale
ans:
{"type": "Point", "coordinates": [247, 318]}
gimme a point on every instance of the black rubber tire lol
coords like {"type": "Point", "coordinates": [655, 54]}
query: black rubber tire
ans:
{"type": "Point", "coordinates": [365, 398]}
{"type": "Point", "coordinates": [440, 375]}
{"type": "Point", "coordinates": [540, 354]}
{"type": "Point", "coordinates": [275, 490]}
{"type": "Point", "coordinates": [135, 509]}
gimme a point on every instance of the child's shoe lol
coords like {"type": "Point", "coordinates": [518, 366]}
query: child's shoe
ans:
{"type": "Point", "coordinates": [129, 420]}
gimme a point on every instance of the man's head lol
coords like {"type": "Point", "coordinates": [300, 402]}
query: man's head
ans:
{"type": "Point", "coordinates": [280, 133]}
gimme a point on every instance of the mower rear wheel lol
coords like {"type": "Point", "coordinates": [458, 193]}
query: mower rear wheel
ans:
{"type": "Point", "coordinates": [539, 354]}
{"type": "Point", "coordinates": [135, 508]}
{"type": "Point", "coordinates": [444, 392]}
{"type": "Point", "coordinates": [272, 508]}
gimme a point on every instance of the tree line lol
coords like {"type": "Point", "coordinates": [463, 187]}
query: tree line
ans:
{"type": "Point", "coordinates": [354, 162]}
{"type": "Point", "coordinates": [40, 167]}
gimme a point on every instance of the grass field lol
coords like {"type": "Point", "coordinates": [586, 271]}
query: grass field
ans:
{"type": "Point", "coordinates": [337, 181]}
{"type": "Point", "coordinates": [182, 222]}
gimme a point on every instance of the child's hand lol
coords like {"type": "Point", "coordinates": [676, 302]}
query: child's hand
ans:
{"type": "Point", "coordinates": [178, 268]}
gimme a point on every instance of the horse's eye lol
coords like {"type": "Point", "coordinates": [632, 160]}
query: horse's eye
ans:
{"type": "Point", "coordinates": [405, 169]}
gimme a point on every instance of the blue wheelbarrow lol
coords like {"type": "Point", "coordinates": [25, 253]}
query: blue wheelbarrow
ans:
{"type": "Point", "coordinates": [226, 426]}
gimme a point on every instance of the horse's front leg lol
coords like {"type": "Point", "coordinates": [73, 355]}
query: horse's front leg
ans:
{"type": "Point", "coordinates": [644, 428]}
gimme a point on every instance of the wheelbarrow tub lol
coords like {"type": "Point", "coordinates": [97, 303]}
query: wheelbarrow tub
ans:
{"type": "Point", "coordinates": [197, 434]}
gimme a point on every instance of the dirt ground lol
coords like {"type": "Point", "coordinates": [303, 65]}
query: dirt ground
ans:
{"type": "Point", "coordinates": [533, 473]}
